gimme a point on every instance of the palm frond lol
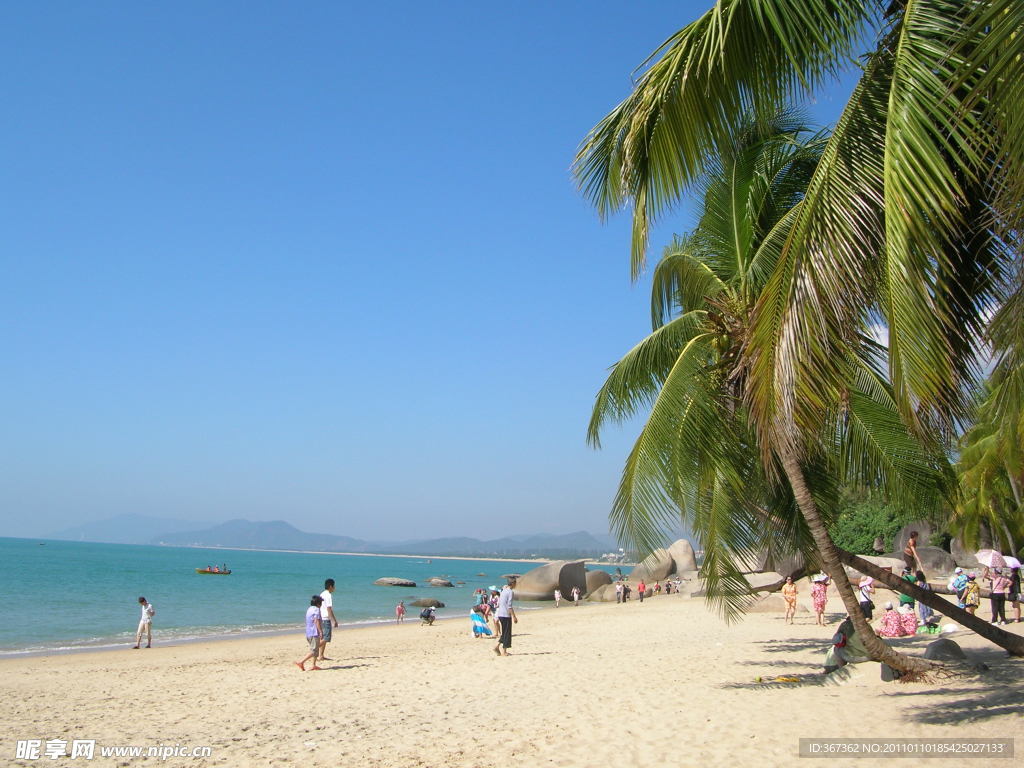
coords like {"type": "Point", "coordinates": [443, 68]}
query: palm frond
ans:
{"type": "Point", "coordinates": [635, 381]}
{"type": "Point", "coordinates": [692, 101]}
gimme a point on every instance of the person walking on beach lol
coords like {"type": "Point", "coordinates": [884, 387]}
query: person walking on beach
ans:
{"type": "Point", "coordinates": [819, 596]}
{"type": "Point", "coordinates": [789, 595]}
{"type": "Point", "coordinates": [641, 590]}
{"type": "Point", "coordinates": [145, 624]}
{"type": "Point", "coordinates": [999, 590]}
{"type": "Point", "coordinates": [327, 618]}
{"type": "Point", "coordinates": [506, 615]}
{"type": "Point", "coordinates": [558, 597]}
{"type": "Point", "coordinates": [867, 605]}
{"type": "Point", "coordinates": [400, 612]}
{"type": "Point", "coordinates": [576, 596]}
{"type": "Point", "coordinates": [314, 632]}
{"type": "Point", "coordinates": [618, 591]}
{"type": "Point", "coordinates": [972, 594]}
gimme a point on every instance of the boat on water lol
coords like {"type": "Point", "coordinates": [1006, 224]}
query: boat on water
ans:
{"type": "Point", "coordinates": [218, 572]}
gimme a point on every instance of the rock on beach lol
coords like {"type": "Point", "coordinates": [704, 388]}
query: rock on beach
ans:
{"type": "Point", "coordinates": [390, 581]}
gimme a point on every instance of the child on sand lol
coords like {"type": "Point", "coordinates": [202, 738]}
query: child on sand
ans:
{"type": "Point", "coordinates": [314, 631]}
{"type": "Point", "coordinates": [400, 612]}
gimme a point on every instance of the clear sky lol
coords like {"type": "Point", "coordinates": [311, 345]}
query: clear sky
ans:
{"type": "Point", "coordinates": [318, 261]}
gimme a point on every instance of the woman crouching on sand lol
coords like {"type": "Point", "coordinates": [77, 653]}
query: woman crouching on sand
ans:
{"type": "Point", "coordinates": [314, 632]}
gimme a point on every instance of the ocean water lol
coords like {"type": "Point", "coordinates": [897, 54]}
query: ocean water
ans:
{"type": "Point", "coordinates": [62, 595]}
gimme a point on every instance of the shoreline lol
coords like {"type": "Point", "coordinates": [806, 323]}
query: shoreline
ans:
{"type": "Point", "coordinates": [613, 684]}
{"type": "Point", "coordinates": [481, 559]}
{"type": "Point", "coordinates": [241, 637]}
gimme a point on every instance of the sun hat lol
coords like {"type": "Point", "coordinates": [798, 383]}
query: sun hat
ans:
{"type": "Point", "coordinates": [958, 569]}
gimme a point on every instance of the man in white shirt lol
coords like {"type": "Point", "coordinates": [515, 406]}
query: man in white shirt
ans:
{"type": "Point", "coordinates": [506, 616]}
{"type": "Point", "coordinates": [145, 624]}
{"type": "Point", "coordinates": [327, 619]}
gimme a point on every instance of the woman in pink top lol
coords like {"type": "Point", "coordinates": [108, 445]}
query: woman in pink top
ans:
{"type": "Point", "coordinates": [891, 624]}
{"type": "Point", "coordinates": [400, 612]}
{"type": "Point", "coordinates": [819, 595]}
{"type": "Point", "coordinates": [1000, 590]}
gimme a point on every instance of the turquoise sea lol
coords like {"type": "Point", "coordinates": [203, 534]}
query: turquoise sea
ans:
{"type": "Point", "coordinates": [63, 595]}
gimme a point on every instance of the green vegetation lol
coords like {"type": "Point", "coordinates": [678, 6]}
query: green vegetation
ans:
{"type": "Point", "coordinates": [764, 401]}
{"type": "Point", "coordinates": [860, 522]}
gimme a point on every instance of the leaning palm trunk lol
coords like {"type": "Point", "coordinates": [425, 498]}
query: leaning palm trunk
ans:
{"type": "Point", "coordinates": [830, 558]}
{"type": "Point", "coordinates": [1014, 644]}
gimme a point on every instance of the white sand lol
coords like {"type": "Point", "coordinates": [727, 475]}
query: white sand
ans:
{"type": "Point", "coordinates": [663, 683]}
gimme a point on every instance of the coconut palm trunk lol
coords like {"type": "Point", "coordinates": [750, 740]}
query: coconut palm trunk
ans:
{"type": "Point", "coordinates": [831, 562]}
{"type": "Point", "coordinates": [1014, 644]}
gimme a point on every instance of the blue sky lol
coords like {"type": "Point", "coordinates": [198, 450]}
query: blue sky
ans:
{"type": "Point", "coordinates": [315, 261]}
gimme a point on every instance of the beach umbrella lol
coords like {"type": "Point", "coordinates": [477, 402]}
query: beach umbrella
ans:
{"type": "Point", "coordinates": [1011, 562]}
{"type": "Point", "coordinates": [990, 557]}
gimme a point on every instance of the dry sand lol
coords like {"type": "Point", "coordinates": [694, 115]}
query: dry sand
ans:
{"type": "Point", "coordinates": [663, 683]}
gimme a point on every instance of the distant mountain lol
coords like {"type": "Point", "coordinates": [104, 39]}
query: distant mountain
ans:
{"type": "Point", "coordinates": [276, 534]}
{"type": "Point", "coordinates": [281, 535]}
{"type": "Point", "coordinates": [124, 529]}
{"type": "Point", "coordinates": [555, 546]}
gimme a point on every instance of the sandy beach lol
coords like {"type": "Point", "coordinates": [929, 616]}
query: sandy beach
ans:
{"type": "Point", "coordinates": [665, 682]}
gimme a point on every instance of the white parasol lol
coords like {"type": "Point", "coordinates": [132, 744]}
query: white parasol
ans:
{"type": "Point", "coordinates": [990, 557]}
{"type": "Point", "coordinates": [1011, 562]}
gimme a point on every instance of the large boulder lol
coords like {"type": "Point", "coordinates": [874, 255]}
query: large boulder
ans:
{"type": "Point", "coordinates": [944, 649]}
{"type": "Point", "coordinates": [682, 555]}
{"type": "Point", "coordinates": [959, 553]}
{"type": "Point", "coordinates": [389, 581]}
{"type": "Point", "coordinates": [936, 561]}
{"type": "Point", "coordinates": [541, 582]}
{"type": "Point", "coordinates": [765, 582]}
{"type": "Point", "coordinates": [604, 594]}
{"type": "Point", "coordinates": [893, 564]}
{"type": "Point", "coordinates": [772, 604]}
{"type": "Point", "coordinates": [427, 602]}
{"type": "Point", "coordinates": [752, 562]}
{"type": "Point", "coordinates": [656, 567]}
{"type": "Point", "coordinates": [597, 579]}
{"type": "Point", "coordinates": [437, 581]}
{"type": "Point", "coordinates": [787, 563]}
{"type": "Point", "coordinates": [924, 533]}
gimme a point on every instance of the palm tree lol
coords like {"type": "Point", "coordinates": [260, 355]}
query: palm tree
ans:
{"type": "Point", "coordinates": [908, 221]}
{"type": "Point", "coordinates": [991, 471]}
{"type": "Point", "coordinates": [704, 291]}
